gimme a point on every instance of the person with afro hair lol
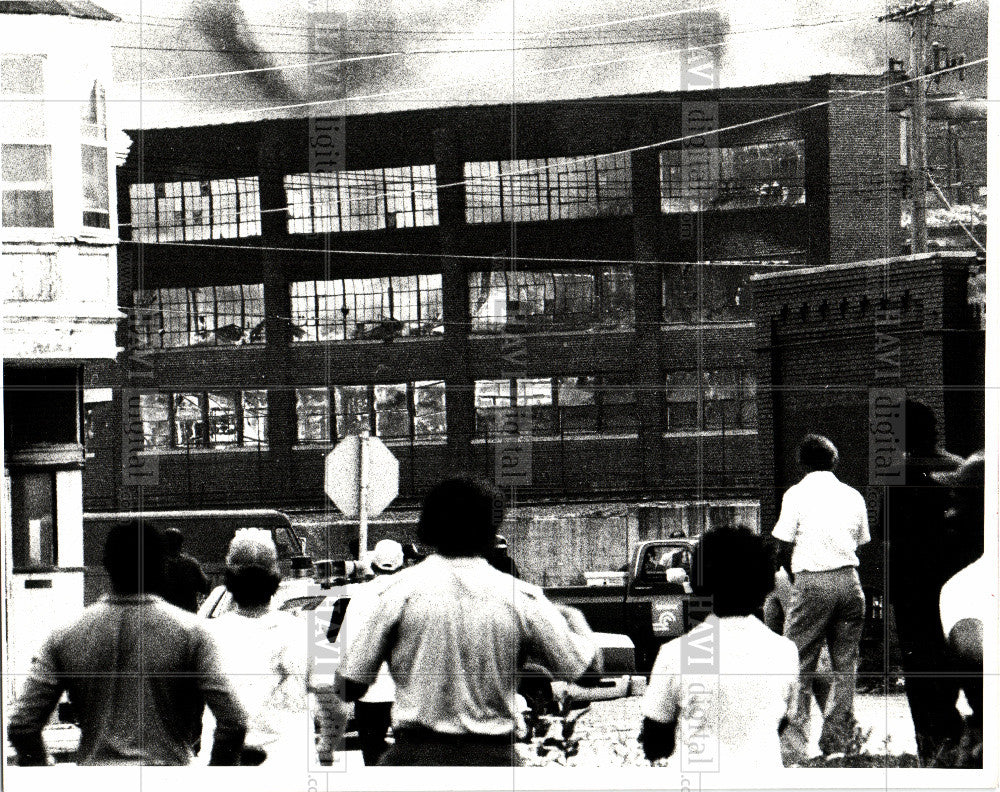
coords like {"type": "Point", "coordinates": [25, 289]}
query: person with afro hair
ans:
{"type": "Point", "coordinates": [730, 682]}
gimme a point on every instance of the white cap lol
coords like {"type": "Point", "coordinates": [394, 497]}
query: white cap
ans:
{"type": "Point", "coordinates": [387, 556]}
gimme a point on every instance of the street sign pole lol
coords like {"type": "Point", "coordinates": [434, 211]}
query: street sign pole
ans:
{"type": "Point", "coordinates": [361, 476]}
{"type": "Point", "coordinates": [363, 495]}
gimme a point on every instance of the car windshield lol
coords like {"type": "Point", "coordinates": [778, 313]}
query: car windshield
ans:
{"type": "Point", "coordinates": [658, 560]}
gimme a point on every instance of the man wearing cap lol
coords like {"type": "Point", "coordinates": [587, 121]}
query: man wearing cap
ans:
{"type": "Point", "coordinates": [822, 523]}
{"type": "Point", "coordinates": [373, 711]}
{"type": "Point", "coordinates": [455, 632]}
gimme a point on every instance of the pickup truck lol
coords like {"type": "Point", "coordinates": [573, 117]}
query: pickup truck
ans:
{"type": "Point", "coordinates": [650, 605]}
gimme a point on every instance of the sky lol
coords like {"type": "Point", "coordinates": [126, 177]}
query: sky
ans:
{"type": "Point", "coordinates": [422, 53]}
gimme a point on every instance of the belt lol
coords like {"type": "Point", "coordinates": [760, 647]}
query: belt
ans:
{"type": "Point", "coordinates": [824, 571]}
{"type": "Point", "coordinates": [421, 734]}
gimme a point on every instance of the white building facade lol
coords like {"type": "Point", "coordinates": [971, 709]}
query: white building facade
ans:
{"type": "Point", "coordinates": [58, 237]}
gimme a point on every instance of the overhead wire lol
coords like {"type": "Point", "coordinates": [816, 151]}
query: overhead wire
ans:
{"type": "Point", "coordinates": [661, 143]}
{"type": "Point", "coordinates": [463, 51]}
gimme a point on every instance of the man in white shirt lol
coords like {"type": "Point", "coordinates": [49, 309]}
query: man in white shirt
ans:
{"type": "Point", "coordinates": [718, 694]}
{"type": "Point", "coordinates": [822, 523]}
{"type": "Point", "coordinates": [455, 631]}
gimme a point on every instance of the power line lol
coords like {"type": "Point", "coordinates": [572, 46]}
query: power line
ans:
{"type": "Point", "coordinates": [588, 158]}
{"type": "Point", "coordinates": [362, 56]}
{"type": "Point", "coordinates": [554, 31]}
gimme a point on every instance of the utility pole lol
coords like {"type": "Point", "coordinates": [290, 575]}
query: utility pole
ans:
{"type": "Point", "coordinates": [920, 15]}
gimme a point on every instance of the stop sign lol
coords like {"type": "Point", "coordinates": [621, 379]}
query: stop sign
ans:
{"type": "Point", "coordinates": [343, 475]}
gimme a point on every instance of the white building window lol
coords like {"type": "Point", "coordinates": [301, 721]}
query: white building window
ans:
{"type": "Point", "coordinates": [401, 411]}
{"type": "Point", "coordinates": [362, 200]}
{"type": "Point", "coordinates": [175, 211]}
{"type": "Point", "coordinates": [222, 420]}
{"type": "Point", "coordinates": [94, 159]}
{"type": "Point", "coordinates": [25, 150]}
{"type": "Point", "coordinates": [199, 316]}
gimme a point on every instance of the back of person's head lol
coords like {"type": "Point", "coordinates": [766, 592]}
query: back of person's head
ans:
{"type": "Point", "coordinates": [460, 518]}
{"type": "Point", "coordinates": [732, 566]}
{"type": "Point", "coordinates": [920, 427]}
{"type": "Point", "coordinates": [818, 453]}
{"type": "Point", "coordinates": [173, 540]}
{"type": "Point", "coordinates": [133, 557]}
{"type": "Point", "coordinates": [252, 574]}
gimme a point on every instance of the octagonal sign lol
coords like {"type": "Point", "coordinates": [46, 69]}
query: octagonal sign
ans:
{"type": "Point", "coordinates": [342, 480]}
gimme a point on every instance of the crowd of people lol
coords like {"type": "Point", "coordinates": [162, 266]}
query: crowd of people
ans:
{"type": "Point", "coordinates": [433, 649]}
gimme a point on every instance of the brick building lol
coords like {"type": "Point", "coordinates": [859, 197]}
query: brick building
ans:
{"type": "Point", "coordinates": [833, 340]}
{"type": "Point", "coordinates": [562, 257]}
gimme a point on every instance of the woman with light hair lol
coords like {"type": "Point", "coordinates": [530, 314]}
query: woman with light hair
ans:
{"type": "Point", "coordinates": [263, 652]}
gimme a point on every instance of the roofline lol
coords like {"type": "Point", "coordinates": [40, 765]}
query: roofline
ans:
{"type": "Point", "coordinates": [714, 94]}
{"type": "Point", "coordinates": [99, 14]}
{"type": "Point", "coordinates": [882, 262]}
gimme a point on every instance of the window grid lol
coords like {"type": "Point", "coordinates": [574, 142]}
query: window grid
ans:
{"type": "Point", "coordinates": [199, 316]}
{"type": "Point", "coordinates": [707, 400]}
{"type": "Point", "coordinates": [392, 411]}
{"type": "Point", "coordinates": [724, 287]}
{"type": "Point", "coordinates": [366, 308]}
{"type": "Point", "coordinates": [362, 200]}
{"type": "Point", "coordinates": [27, 185]}
{"type": "Point", "coordinates": [554, 188]}
{"type": "Point", "coordinates": [567, 405]}
{"type": "Point", "coordinates": [545, 301]}
{"type": "Point", "coordinates": [204, 419]}
{"type": "Point", "coordinates": [195, 210]}
{"type": "Point", "coordinates": [739, 177]}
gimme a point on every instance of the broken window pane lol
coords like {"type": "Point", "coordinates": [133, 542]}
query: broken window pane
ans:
{"type": "Point", "coordinates": [429, 409]}
{"type": "Point", "coordinates": [392, 411]}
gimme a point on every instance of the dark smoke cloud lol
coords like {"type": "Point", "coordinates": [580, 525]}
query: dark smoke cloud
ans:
{"type": "Point", "coordinates": [224, 24]}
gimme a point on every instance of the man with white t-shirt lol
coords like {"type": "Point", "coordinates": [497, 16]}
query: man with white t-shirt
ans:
{"type": "Point", "coordinates": [718, 694]}
{"type": "Point", "coordinates": [455, 632]}
{"type": "Point", "coordinates": [822, 523]}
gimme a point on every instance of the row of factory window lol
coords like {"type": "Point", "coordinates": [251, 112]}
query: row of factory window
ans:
{"type": "Point", "coordinates": [29, 124]}
{"type": "Point", "coordinates": [695, 400]}
{"type": "Point", "coordinates": [496, 191]}
{"type": "Point", "coordinates": [523, 301]}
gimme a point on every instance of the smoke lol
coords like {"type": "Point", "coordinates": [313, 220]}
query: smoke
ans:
{"type": "Point", "coordinates": [500, 51]}
{"type": "Point", "coordinates": [224, 24]}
